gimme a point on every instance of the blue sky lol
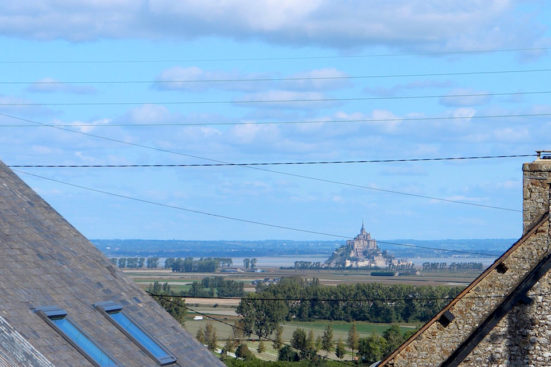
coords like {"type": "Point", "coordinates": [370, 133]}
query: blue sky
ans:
{"type": "Point", "coordinates": [123, 63]}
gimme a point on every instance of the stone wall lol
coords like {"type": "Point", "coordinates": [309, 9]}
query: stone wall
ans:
{"type": "Point", "coordinates": [523, 336]}
{"type": "Point", "coordinates": [437, 342]}
{"type": "Point", "coordinates": [537, 178]}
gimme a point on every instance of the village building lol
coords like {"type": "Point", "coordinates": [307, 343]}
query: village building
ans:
{"type": "Point", "coordinates": [64, 304]}
{"type": "Point", "coordinates": [503, 318]}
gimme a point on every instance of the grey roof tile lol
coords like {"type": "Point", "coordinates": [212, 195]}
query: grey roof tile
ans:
{"type": "Point", "coordinates": [46, 261]}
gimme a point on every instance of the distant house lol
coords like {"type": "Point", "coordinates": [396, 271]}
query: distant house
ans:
{"type": "Point", "coordinates": [64, 304]}
{"type": "Point", "coordinates": [503, 318]}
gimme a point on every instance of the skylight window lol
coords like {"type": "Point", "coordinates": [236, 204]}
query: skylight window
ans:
{"type": "Point", "coordinates": [114, 313]}
{"type": "Point", "coordinates": [56, 318]}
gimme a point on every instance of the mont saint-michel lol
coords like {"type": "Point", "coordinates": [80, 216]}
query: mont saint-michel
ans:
{"type": "Point", "coordinates": [361, 252]}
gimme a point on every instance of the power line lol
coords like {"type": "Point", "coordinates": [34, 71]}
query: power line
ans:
{"type": "Point", "coordinates": [397, 119]}
{"type": "Point", "coordinates": [347, 300]}
{"type": "Point", "coordinates": [269, 163]}
{"type": "Point", "coordinates": [260, 101]}
{"type": "Point", "coordinates": [249, 221]}
{"type": "Point", "coordinates": [273, 79]}
{"type": "Point", "coordinates": [266, 338]}
{"type": "Point", "coordinates": [319, 57]}
{"type": "Point", "coordinates": [363, 187]}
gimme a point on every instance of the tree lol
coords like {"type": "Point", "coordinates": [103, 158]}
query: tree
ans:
{"type": "Point", "coordinates": [372, 348]}
{"type": "Point", "coordinates": [200, 336]}
{"type": "Point", "coordinates": [309, 352]}
{"type": "Point", "coordinates": [327, 339]}
{"type": "Point", "coordinates": [261, 347]}
{"type": "Point", "coordinates": [253, 263]}
{"type": "Point", "coordinates": [340, 350]}
{"type": "Point", "coordinates": [318, 344]}
{"type": "Point", "coordinates": [393, 338]}
{"type": "Point", "coordinates": [261, 316]}
{"type": "Point", "coordinates": [152, 262]}
{"type": "Point", "coordinates": [210, 336]}
{"type": "Point", "coordinates": [238, 330]}
{"type": "Point", "coordinates": [353, 337]}
{"type": "Point", "coordinates": [243, 351]}
{"type": "Point", "coordinates": [246, 263]}
{"type": "Point", "coordinates": [176, 307]}
{"type": "Point", "coordinates": [298, 339]}
{"type": "Point", "coordinates": [286, 353]}
{"type": "Point", "coordinates": [278, 341]}
{"type": "Point", "coordinates": [229, 346]}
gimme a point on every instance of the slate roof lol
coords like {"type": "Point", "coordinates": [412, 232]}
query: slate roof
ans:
{"type": "Point", "coordinates": [44, 261]}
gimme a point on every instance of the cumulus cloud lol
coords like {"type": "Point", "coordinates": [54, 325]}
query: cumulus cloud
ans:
{"type": "Point", "coordinates": [417, 24]}
{"type": "Point", "coordinates": [50, 85]}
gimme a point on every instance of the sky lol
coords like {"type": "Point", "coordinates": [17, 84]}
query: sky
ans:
{"type": "Point", "coordinates": [123, 82]}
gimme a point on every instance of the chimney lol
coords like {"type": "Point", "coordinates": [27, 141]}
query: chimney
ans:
{"type": "Point", "coordinates": [536, 189]}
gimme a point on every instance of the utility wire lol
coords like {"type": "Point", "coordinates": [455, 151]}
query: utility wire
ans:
{"type": "Point", "coordinates": [397, 119]}
{"type": "Point", "coordinates": [243, 329]}
{"type": "Point", "coordinates": [363, 187]}
{"type": "Point", "coordinates": [269, 163]}
{"type": "Point", "coordinates": [274, 79]}
{"type": "Point", "coordinates": [260, 101]}
{"type": "Point", "coordinates": [347, 300]}
{"type": "Point", "coordinates": [249, 221]}
{"type": "Point", "coordinates": [319, 57]}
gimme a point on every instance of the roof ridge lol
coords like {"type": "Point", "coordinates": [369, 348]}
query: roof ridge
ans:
{"type": "Point", "coordinates": [467, 289]}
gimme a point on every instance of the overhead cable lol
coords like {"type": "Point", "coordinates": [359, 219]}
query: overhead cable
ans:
{"type": "Point", "coordinates": [462, 158]}
{"type": "Point", "coordinates": [283, 58]}
{"type": "Point", "coordinates": [273, 79]}
{"type": "Point", "coordinates": [266, 338]}
{"type": "Point", "coordinates": [358, 186]}
{"type": "Point", "coordinates": [322, 299]}
{"type": "Point", "coordinates": [236, 219]}
{"type": "Point", "coordinates": [343, 121]}
{"type": "Point", "coordinates": [261, 101]}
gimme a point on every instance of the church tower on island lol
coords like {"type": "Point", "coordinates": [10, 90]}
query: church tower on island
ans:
{"type": "Point", "coordinates": [362, 251]}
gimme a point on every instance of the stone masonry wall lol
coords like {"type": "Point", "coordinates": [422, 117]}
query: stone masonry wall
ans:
{"type": "Point", "coordinates": [537, 178]}
{"type": "Point", "coordinates": [436, 344]}
{"type": "Point", "coordinates": [521, 338]}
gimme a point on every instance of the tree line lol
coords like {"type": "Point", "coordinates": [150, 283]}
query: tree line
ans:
{"type": "Point", "coordinates": [453, 267]}
{"type": "Point", "coordinates": [207, 287]}
{"type": "Point", "coordinates": [298, 299]}
{"type": "Point", "coordinates": [202, 265]}
{"type": "Point", "coordinates": [136, 262]}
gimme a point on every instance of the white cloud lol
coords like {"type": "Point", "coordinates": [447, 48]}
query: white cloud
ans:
{"type": "Point", "coordinates": [285, 99]}
{"type": "Point", "coordinates": [319, 79]}
{"type": "Point", "coordinates": [180, 78]}
{"type": "Point", "coordinates": [396, 89]}
{"type": "Point", "coordinates": [465, 97]}
{"type": "Point", "coordinates": [409, 24]}
{"type": "Point", "coordinates": [50, 85]}
{"type": "Point", "coordinates": [149, 113]}
{"type": "Point", "coordinates": [195, 79]}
